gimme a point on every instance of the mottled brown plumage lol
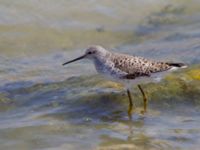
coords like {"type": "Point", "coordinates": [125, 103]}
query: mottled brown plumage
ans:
{"type": "Point", "coordinates": [137, 66]}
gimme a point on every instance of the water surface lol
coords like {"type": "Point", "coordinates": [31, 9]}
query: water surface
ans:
{"type": "Point", "coordinates": [47, 106]}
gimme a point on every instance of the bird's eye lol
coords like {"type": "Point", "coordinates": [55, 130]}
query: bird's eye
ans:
{"type": "Point", "coordinates": [89, 52]}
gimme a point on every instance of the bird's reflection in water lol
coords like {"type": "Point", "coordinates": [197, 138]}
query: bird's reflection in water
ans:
{"type": "Point", "coordinates": [135, 132]}
{"type": "Point", "coordinates": [125, 132]}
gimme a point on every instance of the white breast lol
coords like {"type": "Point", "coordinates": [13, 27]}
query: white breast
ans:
{"type": "Point", "coordinates": [107, 69]}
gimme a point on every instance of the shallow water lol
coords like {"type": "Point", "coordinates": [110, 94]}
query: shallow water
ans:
{"type": "Point", "coordinates": [44, 105]}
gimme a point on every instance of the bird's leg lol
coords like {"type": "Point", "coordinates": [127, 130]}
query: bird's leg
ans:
{"type": "Point", "coordinates": [130, 103]}
{"type": "Point", "coordinates": [144, 98]}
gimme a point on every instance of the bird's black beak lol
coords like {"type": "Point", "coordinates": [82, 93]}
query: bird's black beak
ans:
{"type": "Point", "coordinates": [81, 57]}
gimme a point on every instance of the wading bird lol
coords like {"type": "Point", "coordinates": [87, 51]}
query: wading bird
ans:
{"type": "Point", "coordinates": [126, 69]}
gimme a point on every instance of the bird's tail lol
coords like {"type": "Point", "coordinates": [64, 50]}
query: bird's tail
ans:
{"type": "Point", "coordinates": [179, 65]}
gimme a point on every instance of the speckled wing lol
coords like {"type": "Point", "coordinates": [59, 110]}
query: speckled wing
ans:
{"type": "Point", "coordinates": [137, 66]}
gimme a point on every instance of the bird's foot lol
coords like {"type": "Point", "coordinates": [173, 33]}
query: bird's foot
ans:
{"type": "Point", "coordinates": [144, 111]}
{"type": "Point", "coordinates": [130, 111]}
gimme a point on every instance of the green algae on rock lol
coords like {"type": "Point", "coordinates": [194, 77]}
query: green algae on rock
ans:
{"type": "Point", "coordinates": [179, 87]}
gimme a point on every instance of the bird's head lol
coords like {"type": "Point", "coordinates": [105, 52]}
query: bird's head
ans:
{"type": "Point", "coordinates": [93, 52]}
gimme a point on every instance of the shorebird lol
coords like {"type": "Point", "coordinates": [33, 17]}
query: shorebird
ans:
{"type": "Point", "coordinates": [126, 69]}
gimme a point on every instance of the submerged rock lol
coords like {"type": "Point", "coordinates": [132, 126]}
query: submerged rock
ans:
{"type": "Point", "coordinates": [179, 87]}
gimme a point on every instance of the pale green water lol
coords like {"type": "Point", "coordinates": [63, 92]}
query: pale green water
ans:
{"type": "Point", "coordinates": [47, 106]}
